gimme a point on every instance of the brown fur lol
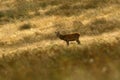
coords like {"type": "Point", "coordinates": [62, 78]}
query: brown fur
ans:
{"type": "Point", "coordinates": [69, 37]}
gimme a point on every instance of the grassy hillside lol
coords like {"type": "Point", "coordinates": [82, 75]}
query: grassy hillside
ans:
{"type": "Point", "coordinates": [30, 50]}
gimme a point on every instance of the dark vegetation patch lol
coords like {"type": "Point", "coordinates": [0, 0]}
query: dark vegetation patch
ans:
{"type": "Point", "coordinates": [25, 26]}
{"type": "Point", "coordinates": [77, 7]}
{"type": "Point", "coordinates": [22, 8]}
{"type": "Point", "coordinates": [6, 16]}
{"type": "Point", "coordinates": [96, 27]}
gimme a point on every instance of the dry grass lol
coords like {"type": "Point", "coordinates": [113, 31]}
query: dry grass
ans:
{"type": "Point", "coordinates": [30, 50]}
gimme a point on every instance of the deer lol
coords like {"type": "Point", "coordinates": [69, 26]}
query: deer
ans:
{"type": "Point", "coordinates": [69, 37]}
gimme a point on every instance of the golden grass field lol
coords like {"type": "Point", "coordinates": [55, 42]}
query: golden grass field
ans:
{"type": "Point", "coordinates": [30, 50]}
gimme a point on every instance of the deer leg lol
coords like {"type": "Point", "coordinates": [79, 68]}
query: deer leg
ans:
{"type": "Point", "coordinates": [67, 43]}
{"type": "Point", "coordinates": [78, 41]}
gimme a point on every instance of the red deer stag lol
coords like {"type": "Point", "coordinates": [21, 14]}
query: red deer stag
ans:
{"type": "Point", "coordinates": [69, 37]}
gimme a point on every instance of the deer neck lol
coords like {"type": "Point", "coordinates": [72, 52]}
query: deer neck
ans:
{"type": "Point", "coordinates": [60, 36]}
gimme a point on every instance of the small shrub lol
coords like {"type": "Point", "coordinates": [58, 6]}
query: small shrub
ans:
{"type": "Point", "coordinates": [25, 26]}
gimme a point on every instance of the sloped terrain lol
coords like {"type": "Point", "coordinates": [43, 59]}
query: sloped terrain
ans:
{"type": "Point", "coordinates": [30, 50]}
